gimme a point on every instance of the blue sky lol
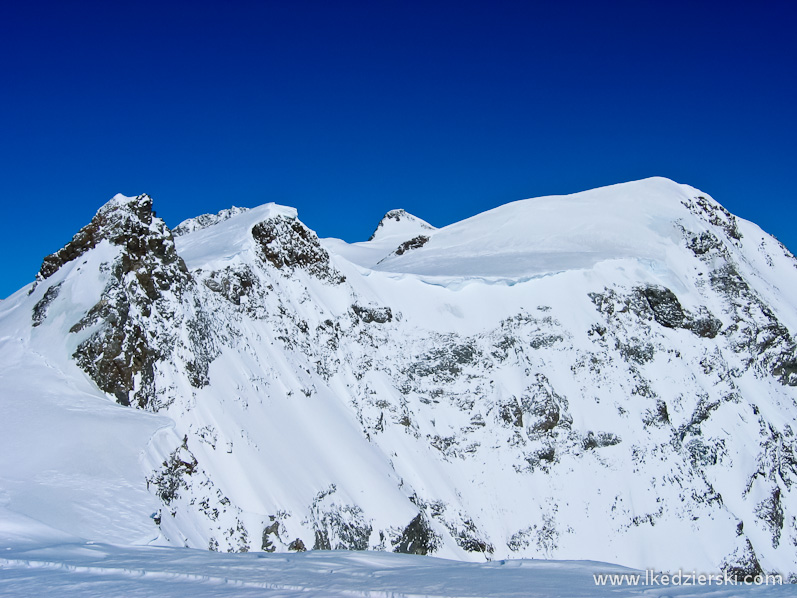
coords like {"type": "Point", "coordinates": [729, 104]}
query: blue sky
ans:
{"type": "Point", "coordinates": [345, 110]}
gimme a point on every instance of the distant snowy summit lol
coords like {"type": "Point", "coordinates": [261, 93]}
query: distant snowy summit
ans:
{"type": "Point", "coordinates": [641, 220]}
{"type": "Point", "coordinates": [607, 376]}
{"type": "Point", "coordinates": [399, 223]}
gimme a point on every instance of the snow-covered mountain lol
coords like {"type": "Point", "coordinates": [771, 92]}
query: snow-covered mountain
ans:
{"type": "Point", "coordinates": [608, 376]}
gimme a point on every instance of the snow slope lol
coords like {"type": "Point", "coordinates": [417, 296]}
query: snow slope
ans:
{"type": "Point", "coordinates": [608, 376]}
{"type": "Point", "coordinates": [89, 570]}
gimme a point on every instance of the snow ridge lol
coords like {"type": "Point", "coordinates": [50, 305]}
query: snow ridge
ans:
{"type": "Point", "coordinates": [205, 220]}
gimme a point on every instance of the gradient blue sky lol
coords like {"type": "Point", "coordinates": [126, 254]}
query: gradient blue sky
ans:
{"type": "Point", "coordinates": [345, 110]}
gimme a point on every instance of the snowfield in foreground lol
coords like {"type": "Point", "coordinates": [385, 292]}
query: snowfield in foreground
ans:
{"type": "Point", "coordinates": [102, 571]}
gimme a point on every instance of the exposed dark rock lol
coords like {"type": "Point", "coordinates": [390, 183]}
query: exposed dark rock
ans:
{"type": "Point", "coordinates": [118, 352]}
{"type": "Point", "coordinates": [138, 318]}
{"type": "Point", "coordinates": [542, 457]}
{"type": "Point", "coordinates": [727, 280]}
{"type": "Point", "coordinates": [414, 243]}
{"type": "Point", "coordinates": [467, 535]}
{"type": "Point", "coordinates": [350, 528]}
{"type": "Point", "coordinates": [702, 454]}
{"type": "Point", "coordinates": [756, 331]}
{"type": "Point", "coordinates": [122, 222]}
{"type": "Point", "coordinates": [714, 214]}
{"type": "Point", "coordinates": [701, 413]}
{"type": "Point", "coordinates": [232, 283]}
{"type": "Point", "coordinates": [770, 511]}
{"type": "Point", "coordinates": [40, 309]}
{"type": "Point", "coordinates": [380, 315]}
{"type": "Point", "coordinates": [444, 444]}
{"type": "Point", "coordinates": [704, 243]}
{"type": "Point", "coordinates": [668, 312]}
{"type": "Point", "coordinates": [511, 413]}
{"type": "Point", "coordinates": [202, 348]}
{"type": "Point", "coordinates": [603, 303]}
{"type": "Point", "coordinates": [122, 355]}
{"type": "Point", "coordinates": [658, 416]}
{"type": "Point", "coordinates": [785, 369]}
{"type": "Point", "coordinates": [267, 545]}
{"type": "Point", "coordinates": [784, 449]}
{"type": "Point", "coordinates": [543, 409]}
{"type": "Point", "coordinates": [464, 354]}
{"type": "Point", "coordinates": [647, 518]}
{"type": "Point", "coordinates": [297, 545]}
{"type": "Point", "coordinates": [666, 308]}
{"type": "Point", "coordinates": [544, 414]}
{"type": "Point", "coordinates": [742, 566]}
{"type": "Point", "coordinates": [636, 351]}
{"type": "Point", "coordinates": [502, 347]}
{"type": "Point", "coordinates": [287, 244]}
{"type": "Point", "coordinates": [601, 439]}
{"type": "Point", "coordinates": [336, 526]}
{"type": "Point", "coordinates": [444, 363]}
{"type": "Point", "coordinates": [417, 538]}
{"type": "Point", "coordinates": [544, 340]}
{"type": "Point", "coordinates": [171, 478]}
{"type": "Point", "coordinates": [322, 540]}
{"type": "Point", "coordinates": [543, 536]}
{"type": "Point", "coordinates": [239, 535]}
{"type": "Point", "coordinates": [663, 306]}
{"type": "Point", "coordinates": [705, 325]}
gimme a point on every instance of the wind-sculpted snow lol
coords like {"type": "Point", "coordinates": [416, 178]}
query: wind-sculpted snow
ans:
{"type": "Point", "coordinates": [88, 570]}
{"type": "Point", "coordinates": [607, 376]}
{"type": "Point", "coordinates": [205, 220]}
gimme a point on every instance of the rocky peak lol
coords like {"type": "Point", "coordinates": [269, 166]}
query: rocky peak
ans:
{"type": "Point", "coordinates": [125, 221]}
{"type": "Point", "coordinates": [401, 222]}
{"type": "Point", "coordinates": [396, 215]}
{"type": "Point", "coordinates": [144, 313]}
{"type": "Point", "coordinates": [287, 244]}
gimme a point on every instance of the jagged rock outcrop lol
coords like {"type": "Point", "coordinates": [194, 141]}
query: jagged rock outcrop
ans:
{"type": "Point", "coordinates": [138, 321]}
{"type": "Point", "coordinates": [414, 243]}
{"type": "Point", "coordinates": [287, 244]}
{"type": "Point", "coordinates": [124, 222]}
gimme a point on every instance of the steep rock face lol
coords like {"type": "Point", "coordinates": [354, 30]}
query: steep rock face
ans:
{"type": "Point", "coordinates": [123, 221]}
{"type": "Point", "coordinates": [591, 412]}
{"type": "Point", "coordinates": [286, 243]}
{"type": "Point", "coordinates": [140, 319]}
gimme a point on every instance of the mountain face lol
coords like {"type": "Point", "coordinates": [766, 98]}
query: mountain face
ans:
{"type": "Point", "coordinates": [609, 375]}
